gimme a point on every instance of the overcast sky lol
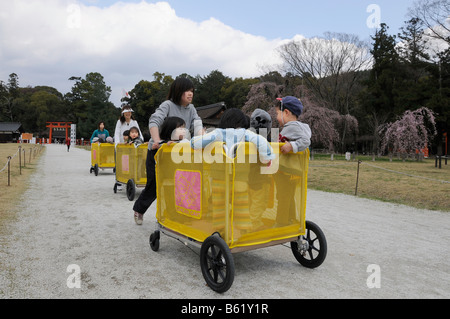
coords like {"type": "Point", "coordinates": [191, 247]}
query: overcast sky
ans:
{"type": "Point", "coordinates": [45, 42]}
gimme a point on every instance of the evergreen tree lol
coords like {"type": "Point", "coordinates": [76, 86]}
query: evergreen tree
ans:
{"type": "Point", "coordinates": [89, 104]}
{"type": "Point", "coordinates": [208, 88]}
{"type": "Point", "coordinates": [9, 93]}
{"type": "Point", "coordinates": [378, 99]}
{"type": "Point", "coordinates": [414, 85]}
{"type": "Point", "coordinates": [146, 97]}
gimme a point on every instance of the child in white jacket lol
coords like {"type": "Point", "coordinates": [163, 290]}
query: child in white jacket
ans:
{"type": "Point", "coordinates": [233, 129]}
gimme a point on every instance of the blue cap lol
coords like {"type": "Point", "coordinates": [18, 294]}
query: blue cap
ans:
{"type": "Point", "coordinates": [292, 104]}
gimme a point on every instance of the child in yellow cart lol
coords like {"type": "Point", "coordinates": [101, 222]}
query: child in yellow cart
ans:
{"type": "Point", "coordinates": [173, 130]}
{"type": "Point", "coordinates": [232, 129]}
{"type": "Point", "coordinates": [259, 184]}
{"type": "Point", "coordinates": [297, 137]}
{"type": "Point", "coordinates": [134, 137]}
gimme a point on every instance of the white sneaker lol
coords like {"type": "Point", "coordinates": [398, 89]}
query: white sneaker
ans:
{"type": "Point", "coordinates": [138, 218]}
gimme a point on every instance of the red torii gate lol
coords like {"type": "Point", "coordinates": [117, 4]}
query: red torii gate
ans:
{"type": "Point", "coordinates": [52, 125]}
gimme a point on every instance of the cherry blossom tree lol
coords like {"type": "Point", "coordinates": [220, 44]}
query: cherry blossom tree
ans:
{"type": "Point", "coordinates": [263, 96]}
{"type": "Point", "coordinates": [328, 126]}
{"type": "Point", "coordinates": [413, 131]}
{"type": "Point", "coordinates": [322, 122]}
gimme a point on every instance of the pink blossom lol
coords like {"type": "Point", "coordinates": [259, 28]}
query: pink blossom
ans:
{"type": "Point", "coordinates": [413, 131]}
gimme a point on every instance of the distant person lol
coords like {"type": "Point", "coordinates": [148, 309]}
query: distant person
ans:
{"type": "Point", "coordinates": [101, 133]}
{"type": "Point", "coordinates": [125, 122]}
{"type": "Point", "coordinates": [68, 144]}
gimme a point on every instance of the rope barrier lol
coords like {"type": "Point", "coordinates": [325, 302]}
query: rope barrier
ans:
{"type": "Point", "coordinates": [332, 165]}
{"type": "Point", "coordinates": [382, 168]}
{"type": "Point", "coordinates": [403, 173]}
{"type": "Point", "coordinates": [9, 160]}
{"type": "Point", "coordinates": [1, 170]}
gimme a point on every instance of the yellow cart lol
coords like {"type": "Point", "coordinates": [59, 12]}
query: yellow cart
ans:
{"type": "Point", "coordinates": [130, 168]}
{"type": "Point", "coordinates": [102, 156]}
{"type": "Point", "coordinates": [227, 204]}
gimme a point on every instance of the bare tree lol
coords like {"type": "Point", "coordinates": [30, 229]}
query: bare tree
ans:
{"type": "Point", "coordinates": [329, 66]}
{"type": "Point", "coordinates": [435, 14]}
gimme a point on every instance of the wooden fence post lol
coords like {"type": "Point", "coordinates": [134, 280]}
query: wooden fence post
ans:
{"type": "Point", "coordinates": [357, 178]}
{"type": "Point", "coordinates": [9, 170]}
{"type": "Point", "coordinates": [20, 160]}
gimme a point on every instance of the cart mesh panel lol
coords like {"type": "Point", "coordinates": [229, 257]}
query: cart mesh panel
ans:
{"type": "Point", "coordinates": [201, 192]}
{"type": "Point", "coordinates": [102, 154]}
{"type": "Point", "coordinates": [130, 163]}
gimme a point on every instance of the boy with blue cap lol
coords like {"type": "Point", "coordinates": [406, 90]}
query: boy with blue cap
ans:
{"type": "Point", "coordinates": [297, 138]}
{"type": "Point", "coordinates": [295, 134]}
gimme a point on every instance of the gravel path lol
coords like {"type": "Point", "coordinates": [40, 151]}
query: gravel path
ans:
{"type": "Point", "coordinates": [71, 221]}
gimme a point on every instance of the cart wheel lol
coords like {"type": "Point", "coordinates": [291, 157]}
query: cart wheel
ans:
{"type": "Point", "coordinates": [96, 169]}
{"type": "Point", "coordinates": [217, 264]}
{"type": "Point", "coordinates": [91, 170]}
{"type": "Point", "coordinates": [131, 189]}
{"type": "Point", "coordinates": [115, 188]}
{"type": "Point", "coordinates": [154, 240]}
{"type": "Point", "coordinates": [310, 249]}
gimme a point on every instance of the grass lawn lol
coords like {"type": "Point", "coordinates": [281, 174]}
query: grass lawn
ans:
{"type": "Point", "coordinates": [10, 195]}
{"type": "Point", "coordinates": [413, 183]}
